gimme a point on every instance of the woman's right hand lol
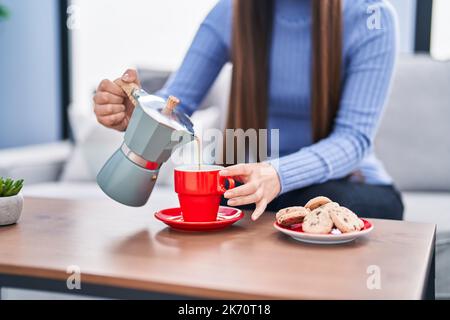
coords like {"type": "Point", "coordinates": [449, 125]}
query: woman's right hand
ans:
{"type": "Point", "coordinates": [112, 107]}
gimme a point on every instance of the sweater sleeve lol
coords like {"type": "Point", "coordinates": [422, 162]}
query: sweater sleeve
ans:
{"type": "Point", "coordinates": [369, 64]}
{"type": "Point", "coordinates": [205, 58]}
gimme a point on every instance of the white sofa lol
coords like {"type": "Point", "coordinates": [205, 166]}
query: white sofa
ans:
{"type": "Point", "coordinates": [413, 143]}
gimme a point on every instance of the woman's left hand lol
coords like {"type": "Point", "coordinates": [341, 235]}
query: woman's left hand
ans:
{"type": "Point", "coordinates": [261, 185]}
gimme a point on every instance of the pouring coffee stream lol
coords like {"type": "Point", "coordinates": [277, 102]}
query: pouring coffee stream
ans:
{"type": "Point", "coordinates": [198, 142]}
{"type": "Point", "coordinates": [155, 129]}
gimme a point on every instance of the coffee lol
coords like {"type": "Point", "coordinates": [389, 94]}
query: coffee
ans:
{"type": "Point", "coordinates": [198, 142]}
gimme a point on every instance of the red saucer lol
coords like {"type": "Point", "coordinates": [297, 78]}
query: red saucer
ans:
{"type": "Point", "coordinates": [226, 217]}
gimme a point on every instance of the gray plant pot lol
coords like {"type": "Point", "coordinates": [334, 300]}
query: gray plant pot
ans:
{"type": "Point", "coordinates": [10, 209]}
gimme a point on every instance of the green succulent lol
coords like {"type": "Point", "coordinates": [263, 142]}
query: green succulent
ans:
{"type": "Point", "coordinates": [4, 13]}
{"type": "Point", "coordinates": [9, 187]}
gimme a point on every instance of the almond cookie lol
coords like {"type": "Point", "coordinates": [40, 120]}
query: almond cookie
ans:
{"type": "Point", "coordinates": [292, 215]}
{"type": "Point", "coordinates": [345, 220]}
{"type": "Point", "coordinates": [318, 221]}
{"type": "Point", "coordinates": [316, 202]}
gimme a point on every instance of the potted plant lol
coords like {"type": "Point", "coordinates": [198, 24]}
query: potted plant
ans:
{"type": "Point", "coordinates": [11, 201]}
{"type": "Point", "coordinates": [4, 13]}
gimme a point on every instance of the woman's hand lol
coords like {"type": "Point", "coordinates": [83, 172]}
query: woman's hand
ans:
{"type": "Point", "coordinates": [113, 108]}
{"type": "Point", "coordinates": [261, 186]}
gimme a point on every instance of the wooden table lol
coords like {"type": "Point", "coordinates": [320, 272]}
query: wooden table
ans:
{"type": "Point", "coordinates": [126, 253]}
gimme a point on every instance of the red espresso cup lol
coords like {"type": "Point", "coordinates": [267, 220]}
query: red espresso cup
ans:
{"type": "Point", "coordinates": [199, 191]}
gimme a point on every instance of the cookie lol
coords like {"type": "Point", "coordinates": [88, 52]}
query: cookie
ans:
{"type": "Point", "coordinates": [317, 202]}
{"type": "Point", "coordinates": [292, 215]}
{"type": "Point", "coordinates": [318, 221]}
{"type": "Point", "coordinates": [287, 210]}
{"type": "Point", "coordinates": [330, 205]}
{"type": "Point", "coordinates": [361, 224]}
{"type": "Point", "coordinates": [345, 220]}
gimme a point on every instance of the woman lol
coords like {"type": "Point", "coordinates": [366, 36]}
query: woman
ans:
{"type": "Point", "coordinates": [319, 71]}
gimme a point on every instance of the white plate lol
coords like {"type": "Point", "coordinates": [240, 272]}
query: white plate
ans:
{"type": "Point", "coordinates": [326, 238]}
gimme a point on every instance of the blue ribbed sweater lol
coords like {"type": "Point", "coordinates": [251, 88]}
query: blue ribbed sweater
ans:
{"type": "Point", "coordinates": [369, 56]}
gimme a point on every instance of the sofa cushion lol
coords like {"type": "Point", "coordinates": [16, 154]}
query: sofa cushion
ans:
{"type": "Point", "coordinates": [413, 140]}
{"type": "Point", "coordinates": [94, 144]}
{"type": "Point", "coordinates": [429, 208]}
{"type": "Point", "coordinates": [36, 163]}
{"type": "Point", "coordinates": [153, 80]}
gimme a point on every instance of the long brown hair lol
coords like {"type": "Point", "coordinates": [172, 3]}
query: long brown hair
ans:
{"type": "Point", "coordinates": [251, 40]}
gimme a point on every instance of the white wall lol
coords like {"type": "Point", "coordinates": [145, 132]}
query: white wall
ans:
{"type": "Point", "coordinates": [406, 11]}
{"type": "Point", "coordinates": [440, 30]}
{"type": "Point", "coordinates": [112, 35]}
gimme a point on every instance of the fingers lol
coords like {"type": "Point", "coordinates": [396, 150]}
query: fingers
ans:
{"type": "Point", "coordinates": [121, 126]}
{"type": "Point", "coordinates": [236, 170]}
{"type": "Point", "coordinates": [104, 97]}
{"type": "Point", "coordinates": [252, 198]}
{"type": "Point", "coordinates": [259, 210]}
{"type": "Point", "coordinates": [112, 120]}
{"type": "Point", "coordinates": [112, 104]}
{"type": "Point", "coordinates": [102, 110]}
{"type": "Point", "coordinates": [245, 189]}
{"type": "Point", "coordinates": [130, 76]}
{"type": "Point", "coordinates": [109, 86]}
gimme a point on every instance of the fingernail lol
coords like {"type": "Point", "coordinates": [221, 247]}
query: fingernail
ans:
{"type": "Point", "coordinates": [223, 172]}
{"type": "Point", "coordinates": [230, 202]}
{"type": "Point", "coordinates": [125, 77]}
{"type": "Point", "coordinates": [228, 194]}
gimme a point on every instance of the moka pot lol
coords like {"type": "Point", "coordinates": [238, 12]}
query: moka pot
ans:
{"type": "Point", "coordinates": [155, 129]}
